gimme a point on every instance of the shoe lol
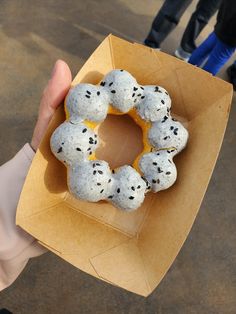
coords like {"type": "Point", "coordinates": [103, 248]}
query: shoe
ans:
{"type": "Point", "coordinates": [231, 71]}
{"type": "Point", "coordinates": [181, 54]}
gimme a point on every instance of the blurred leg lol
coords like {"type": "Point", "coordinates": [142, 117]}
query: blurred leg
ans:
{"type": "Point", "coordinates": [218, 57]}
{"type": "Point", "coordinates": [165, 21]}
{"type": "Point", "coordinates": [204, 11]}
{"type": "Point", "coordinates": [231, 71]}
{"type": "Point", "coordinates": [201, 53]}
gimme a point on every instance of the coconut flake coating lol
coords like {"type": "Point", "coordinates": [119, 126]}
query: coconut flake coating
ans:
{"type": "Point", "coordinates": [168, 133]}
{"type": "Point", "coordinates": [159, 169]}
{"type": "Point", "coordinates": [155, 105]}
{"type": "Point", "coordinates": [123, 88]}
{"type": "Point", "coordinates": [87, 101]}
{"type": "Point", "coordinates": [129, 189]}
{"type": "Point", "coordinates": [72, 143]}
{"type": "Point", "coordinates": [91, 180]}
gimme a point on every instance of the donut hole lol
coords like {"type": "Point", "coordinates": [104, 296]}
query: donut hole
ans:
{"type": "Point", "coordinates": [121, 140]}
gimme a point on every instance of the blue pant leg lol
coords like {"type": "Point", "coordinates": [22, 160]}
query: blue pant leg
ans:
{"type": "Point", "coordinates": [202, 52]}
{"type": "Point", "coordinates": [218, 57]}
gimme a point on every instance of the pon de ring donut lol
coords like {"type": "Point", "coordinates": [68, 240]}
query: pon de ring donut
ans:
{"type": "Point", "coordinates": [75, 141]}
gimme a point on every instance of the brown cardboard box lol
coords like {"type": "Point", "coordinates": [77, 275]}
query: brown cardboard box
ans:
{"type": "Point", "coordinates": [130, 250]}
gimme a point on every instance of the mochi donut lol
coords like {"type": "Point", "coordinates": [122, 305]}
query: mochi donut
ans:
{"type": "Point", "coordinates": [75, 141]}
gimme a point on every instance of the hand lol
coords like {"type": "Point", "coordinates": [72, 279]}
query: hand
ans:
{"type": "Point", "coordinates": [53, 95]}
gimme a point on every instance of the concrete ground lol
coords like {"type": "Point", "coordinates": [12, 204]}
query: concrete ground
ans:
{"type": "Point", "coordinates": [33, 35]}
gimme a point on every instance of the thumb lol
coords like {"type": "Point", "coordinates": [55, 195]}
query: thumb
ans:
{"type": "Point", "coordinates": [56, 89]}
{"type": "Point", "coordinates": [54, 93]}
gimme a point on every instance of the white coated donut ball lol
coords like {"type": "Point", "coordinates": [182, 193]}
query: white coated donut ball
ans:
{"type": "Point", "coordinates": [129, 189]}
{"type": "Point", "coordinates": [72, 143]}
{"type": "Point", "coordinates": [155, 105]}
{"type": "Point", "coordinates": [87, 101]}
{"type": "Point", "coordinates": [159, 169]}
{"type": "Point", "coordinates": [168, 133]}
{"type": "Point", "coordinates": [91, 180]}
{"type": "Point", "coordinates": [123, 88]}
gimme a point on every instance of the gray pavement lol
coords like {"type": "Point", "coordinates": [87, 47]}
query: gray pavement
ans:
{"type": "Point", "coordinates": [33, 34]}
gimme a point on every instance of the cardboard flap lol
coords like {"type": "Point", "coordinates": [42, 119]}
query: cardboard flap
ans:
{"type": "Point", "coordinates": [80, 234]}
{"type": "Point", "coordinates": [124, 266]}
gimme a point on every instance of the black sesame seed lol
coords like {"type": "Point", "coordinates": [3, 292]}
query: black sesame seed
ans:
{"type": "Point", "coordinates": [166, 93]}
{"type": "Point", "coordinates": [109, 180]}
{"type": "Point", "coordinates": [94, 172]}
{"type": "Point", "coordinates": [97, 164]}
{"type": "Point", "coordinates": [87, 96]}
{"type": "Point", "coordinates": [159, 170]}
{"type": "Point", "coordinates": [121, 70]}
{"type": "Point", "coordinates": [164, 119]}
{"type": "Point", "coordinates": [84, 130]}
{"type": "Point", "coordinates": [113, 171]}
{"type": "Point", "coordinates": [88, 92]}
{"type": "Point", "coordinates": [103, 83]}
{"type": "Point", "coordinates": [95, 135]}
{"type": "Point", "coordinates": [110, 196]}
{"type": "Point", "coordinates": [158, 109]}
{"type": "Point", "coordinates": [91, 139]}
{"type": "Point", "coordinates": [131, 197]}
{"type": "Point", "coordinates": [142, 97]}
{"type": "Point", "coordinates": [162, 101]}
{"type": "Point", "coordinates": [95, 142]}
{"type": "Point", "coordinates": [154, 181]}
{"type": "Point", "coordinates": [113, 91]}
{"type": "Point", "coordinates": [139, 186]}
{"type": "Point", "coordinates": [133, 188]}
{"type": "Point", "coordinates": [141, 87]}
{"type": "Point", "coordinates": [78, 149]}
{"type": "Point", "coordinates": [149, 187]}
{"type": "Point", "coordinates": [62, 143]}
{"type": "Point", "coordinates": [171, 128]}
{"type": "Point", "coordinates": [135, 88]}
{"type": "Point", "coordinates": [135, 100]}
{"type": "Point", "coordinates": [90, 153]}
{"type": "Point", "coordinates": [176, 131]}
{"type": "Point", "coordinates": [98, 183]}
{"type": "Point", "coordinates": [118, 190]}
{"type": "Point", "coordinates": [101, 190]}
{"type": "Point", "coordinates": [98, 93]}
{"type": "Point", "coordinates": [170, 161]}
{"type": "Point", "coordinates": [168, 172]}
{"type": "Point", "coordinates": [59, 150]}
{"type": "Point", "coordinates": [133, 95]}
{"type": "Point", "coordinates": [100, 172]}
{"type": "Point", "coordinates": [110, 83]}
{"type": "Point", "coordinates": [94, 165]}
{"type": "Point", "coordinates": [154, 163]}
{"type": "Point", "coordinates": [156, 89]}
{"type": "Point", "coordinates": [158, 181]}
{"type": "Point", "coordinates": [89, 149]}
{"type": "Point", "coordinates": [139, 95]}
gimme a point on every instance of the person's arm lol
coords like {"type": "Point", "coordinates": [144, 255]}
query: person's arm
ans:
{"type": "Point", "coordinates": [16, 246]}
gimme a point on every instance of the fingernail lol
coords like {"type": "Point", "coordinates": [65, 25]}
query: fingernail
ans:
{"type": "Point", "coordinates": [54, 69]}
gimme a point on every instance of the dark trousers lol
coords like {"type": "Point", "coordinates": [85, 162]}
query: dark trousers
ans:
{"type": "Point", "coordinates": [169, 16]}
